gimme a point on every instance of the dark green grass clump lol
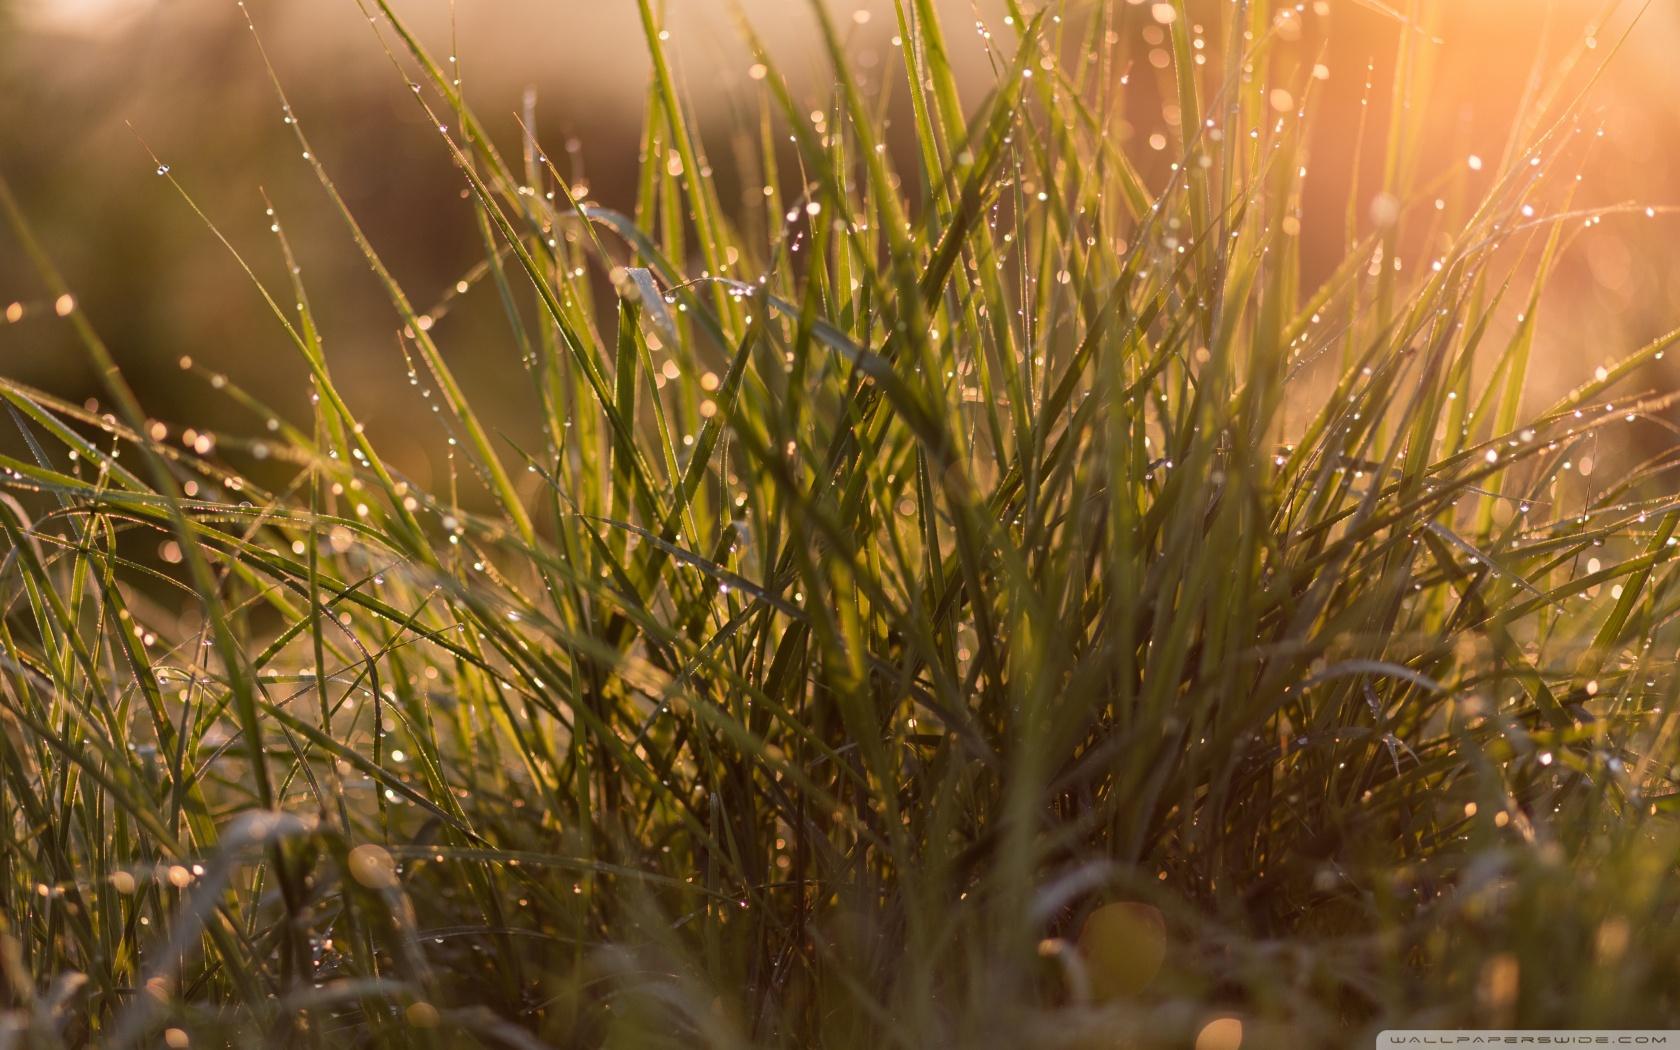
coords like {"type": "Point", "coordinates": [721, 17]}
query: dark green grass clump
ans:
{"type": "Point", "coordinates": [935, 548]}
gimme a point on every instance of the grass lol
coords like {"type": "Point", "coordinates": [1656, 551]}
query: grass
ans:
{"type": "Point", "coordinates": [979, 587]}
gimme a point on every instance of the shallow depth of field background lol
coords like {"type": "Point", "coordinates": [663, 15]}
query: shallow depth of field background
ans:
{"type": "Point", "coordinates": [97, 97]}
{"type": "Point", "coordinates": [84, 82]}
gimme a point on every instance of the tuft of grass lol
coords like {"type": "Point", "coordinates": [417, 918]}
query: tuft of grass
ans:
{"type": "Point", "coordinates": [978, 588]}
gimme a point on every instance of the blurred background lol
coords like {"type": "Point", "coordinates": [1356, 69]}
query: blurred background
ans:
{"type": "Point", "coordinates": [83, 83]}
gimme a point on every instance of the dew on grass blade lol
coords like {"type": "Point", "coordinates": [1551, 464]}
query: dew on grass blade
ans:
{"type": "Point", "coordinates": [373, 866]}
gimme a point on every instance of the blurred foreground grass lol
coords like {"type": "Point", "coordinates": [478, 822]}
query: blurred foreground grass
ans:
{"type": "Point", "coordinates": [984, 596]}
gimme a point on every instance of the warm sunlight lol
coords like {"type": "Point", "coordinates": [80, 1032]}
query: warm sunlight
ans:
{"type": "Point", "coordinates": [806, 523]}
